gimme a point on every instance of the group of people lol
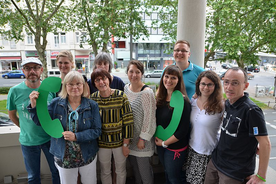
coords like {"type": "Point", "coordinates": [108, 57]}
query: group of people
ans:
{"type": "Point", "coordinates": [200, 137]}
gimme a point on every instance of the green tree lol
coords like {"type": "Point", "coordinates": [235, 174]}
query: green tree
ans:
{"type": "Point", "coordinates": [104, 19]}
{"type": "Point", "coordinates": [236, 27]}
{"type": "Point", "coordinates": [167, 19]}
{"type": "Point", "coordinates": [241, 28]}
{"type": "Point", "coordinates": [36, 17]}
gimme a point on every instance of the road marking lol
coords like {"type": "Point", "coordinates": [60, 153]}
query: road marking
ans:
{"type": "Point", "coordinates": [271, 135]}
{"type": "Point", "coordinates": [272, 126]}
{"type": "Point", "coordinates": [272, 158]}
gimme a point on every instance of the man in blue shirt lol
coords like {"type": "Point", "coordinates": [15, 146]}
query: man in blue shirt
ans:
{"type": "Point", "coordinates": [181, 54]}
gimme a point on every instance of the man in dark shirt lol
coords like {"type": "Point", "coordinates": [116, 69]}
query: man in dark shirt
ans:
{"type": "Point", "coordinates": [243, 128]}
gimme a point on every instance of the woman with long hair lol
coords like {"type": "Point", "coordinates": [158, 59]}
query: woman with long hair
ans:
{"type": "Point", "coordinates": [172, 141]}
{"type": "Point", "coordinates": [207, 110]}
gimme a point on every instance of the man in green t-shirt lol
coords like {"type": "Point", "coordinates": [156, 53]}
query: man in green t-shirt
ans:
{"type": "Point", "coordinates": [32, 138]}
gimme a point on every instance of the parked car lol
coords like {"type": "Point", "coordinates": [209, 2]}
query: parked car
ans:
{"type": "Point", "coordinates": [14, 74]}
{"type": "Point", "coordinates": [252, 68]}
{"type": "Point", "coordinates": [222, 73]}
{"type": "Point", "coordinates": [154, 74]}
{"type": "Point", "coordinates": [226, 66]}
{"type": "Point", "coordinates": [5, 120]}
{"type": "Point", "coordinates": [53, 73]}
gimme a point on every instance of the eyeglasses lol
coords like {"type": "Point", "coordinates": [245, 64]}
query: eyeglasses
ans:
{"type": "Point", "coordinates": [99, 79]}
{"type": "Point", "coordinates": [233, 83]}
{"type": "Point", "coordinates": [209, 85]}
{"type": "Point", "coordinates": [72, 85]}
{"type": "Point", "coordinates": [183, 51]}
{"type": "Point", "coordinates": [35, 68]}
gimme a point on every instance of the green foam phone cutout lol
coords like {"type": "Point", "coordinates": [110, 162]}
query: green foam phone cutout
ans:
{"type": "Point", "coordinates": [51, 127]}
{"type": "Point", "coordinates": [177, 102]}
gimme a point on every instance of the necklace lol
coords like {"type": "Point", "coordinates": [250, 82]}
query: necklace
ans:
{"type": "Point", "coordinates": [105, 100]}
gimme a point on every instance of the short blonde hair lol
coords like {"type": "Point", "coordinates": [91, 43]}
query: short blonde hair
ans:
{"type": "Point", "coordinates": [72, 75]}
{"type": "Point", "coordinates": [68, 54]}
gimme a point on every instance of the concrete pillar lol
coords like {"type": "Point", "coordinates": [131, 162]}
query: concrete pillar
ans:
{"type": "Point", "coordinates": [191, 27]}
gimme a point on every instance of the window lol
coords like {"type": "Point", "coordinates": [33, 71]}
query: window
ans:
{"type": "Point", "coordinates": [149, 30]}
{"type": "Point", "coordinates": [154, 16]}
{"type": "Point", "coordinates": [77, 37]}
{"type": "Point", "coordinates": [54, 63]}
{"type": "Point", "coordinates": [62, 38]}
{"type": "Point", "coordinates": [142, 15]}
{"type": "Point", "coordinates": [30, 39]}
{"type": "Point", "coordinates": [13, 44]}
{"type": "Point", "coordinates": [154, 30]}
{"type": "Point", "coordinates": [5, 41]}
{"type": "Point", "coordinates": [120, 44]}
{"type": "Point", "coordinates": [147, 17]}
{"type": "Point", "coordinates": [56, 39]}
{"type": "Point", "coordinates": [160, 31]}
{"type": "Point", "coordinates": [83, 37]}
{"type": "Point", "coordinates": [59, 38]}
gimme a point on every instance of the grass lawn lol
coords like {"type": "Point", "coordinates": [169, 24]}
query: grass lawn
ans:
{"type": "Point", "coordinates": [3, 105]}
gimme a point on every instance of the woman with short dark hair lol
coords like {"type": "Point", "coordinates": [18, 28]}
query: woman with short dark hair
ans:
{"type": "Point", "coordinates": [117, 126]}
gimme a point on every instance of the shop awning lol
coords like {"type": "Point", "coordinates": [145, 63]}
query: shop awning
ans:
{"type": "Point", "coordinates": [10, 57]}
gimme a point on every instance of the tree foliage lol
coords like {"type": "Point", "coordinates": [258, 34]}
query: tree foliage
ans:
{"type": "Point", "coordinates": [167, 18]}
{"type": "Point", "coordinates": [19, 18]}
{"type": "Point", "coordinates": [241, 28]}
{"type": "Point", "coordinates": [236, 27]}
{"type": "Point", "coordinates": [103, 19]}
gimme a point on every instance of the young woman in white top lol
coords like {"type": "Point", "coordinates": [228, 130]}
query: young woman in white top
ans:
{"type": "Point", "coordinates": [206, 114]}
{"type": "Point", "coordinates": [143, 105]}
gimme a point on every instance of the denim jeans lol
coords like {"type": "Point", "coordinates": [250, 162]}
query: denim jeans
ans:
{"type": "Point", "coordinates": [173, 167]}
{"type": "Point", "coordinates": [32, 156]}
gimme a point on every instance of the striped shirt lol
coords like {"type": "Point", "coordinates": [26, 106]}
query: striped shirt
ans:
{"type": "Point", "coordinates": [116, 117]}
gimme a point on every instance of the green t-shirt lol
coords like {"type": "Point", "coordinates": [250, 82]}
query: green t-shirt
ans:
{"type": "Point", "coordinates": [30, 133]}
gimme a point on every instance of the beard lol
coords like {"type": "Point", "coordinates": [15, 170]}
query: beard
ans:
{"type": "Point", "coordinates": [33, 80]}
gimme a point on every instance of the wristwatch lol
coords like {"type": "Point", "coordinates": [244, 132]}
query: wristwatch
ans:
{"type": "Point", "coordinates": [125, 145]}
{"type": "Point", "coordinates": [164, 145]}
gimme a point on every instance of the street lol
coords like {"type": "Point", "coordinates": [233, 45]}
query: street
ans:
{"type": "Point", "coordinates": [270, 117]}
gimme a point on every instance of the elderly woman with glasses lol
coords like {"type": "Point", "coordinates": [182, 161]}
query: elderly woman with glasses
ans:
{"type": "Point", "coordinates": [104, 61]}
{"type": "Point", "coordinates": [76, 151]}
{"type": "Point", "coordinates": [117, 126]}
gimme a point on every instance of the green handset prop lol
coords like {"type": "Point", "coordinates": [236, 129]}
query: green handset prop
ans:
{"type": "Point", "coordinates": [177, 102]}
{"type": "Point", "coordinates": [51, 127]}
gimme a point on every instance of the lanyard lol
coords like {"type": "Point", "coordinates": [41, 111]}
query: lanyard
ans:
{"type": "Point", "coordinates": [73, 116]}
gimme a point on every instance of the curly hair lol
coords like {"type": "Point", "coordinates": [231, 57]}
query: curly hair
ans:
{"type": "Point", "coordinates": [215, 101]}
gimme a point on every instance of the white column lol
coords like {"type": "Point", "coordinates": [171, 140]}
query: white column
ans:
{"type": "Point", "coordinates": [191, 27]}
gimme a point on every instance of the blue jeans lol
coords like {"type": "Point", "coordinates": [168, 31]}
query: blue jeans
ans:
{"type": "Point", "coordinates": [31, 156]}
{"type": "Point", "coordinates": [173, 167]}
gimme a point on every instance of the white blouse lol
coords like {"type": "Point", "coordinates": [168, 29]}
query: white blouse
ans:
{"type": "Point", "coordinates": [205, 129]}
